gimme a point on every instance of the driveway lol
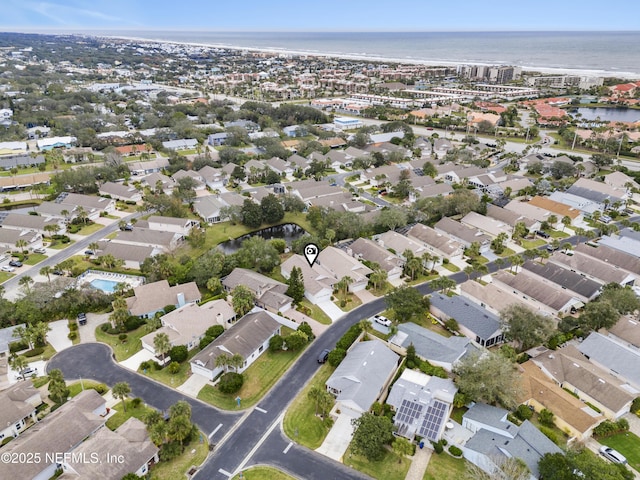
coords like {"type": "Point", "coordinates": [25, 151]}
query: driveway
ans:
{"type": "Point", "coordinates": [193, 385]}
{"type": "Point", "coordinates": [332, 310]}
{"type": "Point", "coordinates": [365, 296]}
{"type": "Point", "coordinates": [88, 331]}
{"type": "Point", "coordinates": [58, 337]}
{"type": "Point", "coordinates": [338, 438]}
{"type": "Point", "coordinates": [133, 362]}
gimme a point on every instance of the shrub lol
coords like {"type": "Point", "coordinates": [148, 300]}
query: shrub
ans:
{"type": "Point", "coordinates": [276, 343]}
{"type": "Point", "coordinates": [204, 341]}
{"type": "Point", "coordinates": [437, 447]}
{"type": "Point", "coordinates": [455, 451]}
{"type": "Point", "coordinates": [635, 405]}
{"type": "Point", "coordinates": [72, 335]}
{"type": "Point", "coordinates": [105, 327]}
{"type": "Point", "coordinates": [17, 347]}
{"type": "Point", "coordinates": [132, 323]}
{"type": "Point", "coordinates": [122, 337]}
{"type": "Point", "coordinates": [101, 388]}
{"type": "Point", "coordinates": [73, 326]}
{"type": "Point", "coordinates": [230, 382]}
{"type": "Point", "coordinates": [550, 434]}
{"type": "Point", "coordinates": [523, 412]}
{"type": "Point", "coordinates": [336, 356]}
{"type": "Point", "coordinates": [173, 368]}
{"type": "Point", "coordinates": [179, 353]}
{"type": "Point", "coordinates": [156, 365]}
{"type": "Point", "coordinates": [34, 352]}
{"type": "Point", "coordinates": [349, 337]}
{"type": "Point", "coordinates": [169, 308]}
{"type": "Point", "coordinates": [146, 365]}
{"type": "Point", "coordinates": [215, 331]}
{"type": "Point", "coordinates": [136, 402]}
{"type": "Point", "coordinates": [305, 328]}
{"type": "Point", "coordinates": [608, 428]}
{"type": "Point", "coordinates": [546, 417]}
{"type": "Point", "coordinates": [170, 450]}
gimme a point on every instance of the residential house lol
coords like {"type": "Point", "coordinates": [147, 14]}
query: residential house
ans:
{"type": "Point", "coordinates": [209, 208]}
{"type": "Point", "coordinates": [437, 243]}
{"type": "Point", "coordinates": [602, 253]}
{"type": "Point", "coordinates": [463, 234]}
{"type": "Point", "coordinates": [422, 404]}
{"type": "Point", "coordinates": [547, 296]}
{"type": "Point", "coordinates": [187, 324]}
{"type": "Point", "coordinates": [441, 146]}
{"type": "Point", "coordinates": [50, 143]}
{"type": "Point", "coordinates": [492, 297]}
{"type": "Point", "coordinates": [340, 201]}
{"type": "Point", "coordinates": [151, 166]}
{"type": "Point", "coordinates": [365, 249]}
{"type": "Point", "coordinates": [132, 150]}
{"type": "Point", "coordinates": [572, 371]}
{"type": "Point", "coordinates": [620, 181]}
{"type": "Point", "coordinates": [496, 439]}
{"type": "Point", "coordinates": [570, 414]}
{"type": "Point", "coordinates": [9, 237]}
{"type": "Point", "coordinates": [32, 223]}
{"type": "Point", "coordinates": [560, 210]}
{"type": "Point", "coordinates": [594, 269]}
{"type": "Point", "coordinates": [613, 356]}
{"type": "Point", "coordinates": [511, 218]}
{"type": "Point", "coordinates": [298, 162]}
{"type": "Point", "coordinates": [144, 237]}
{"type": "Point", "coordinates": [437, 349]}
{"type": "Point", "coordinates": [428, 190]}
{"type": "Point", "coordinates": [182, 144]}
{"type": "Point", "coordinates": [452, 173]}
{"type": "Point", "coordinates": [475, 322]}
{"type": "Point", "coordinates": [608, 196]}
{"type": "Point", "coordinates": [582, 287]}
{"type": "Point", "coordinates": [6, 337]}
{"type": "Point", "coordinates": [129, 442]}
{"type": "Point", "coordinates": [488, 225]}
{"type": "Point", "coordinates": [397, 243]}
{"type": "Point", "coordinates": [18, 409]}
{"type": "Point", "coordinates": [338, 159]}
{"type": "Point", "coordinates": [217, 139]}
{"type": "Point", "coordinates": [24, 181]}
{"type": "Point", "coordinates": [295, 131]}
{"type": "Point", "coordinates": [214, 178]}
{"type": "Point", "coordinates": [195, 176]}
{"type": "Point", "coordinates": [91, 206]}
{"type": "Point", "coordinates": [280, 166]}
{"type": "Point", "coordinates": [624, 241]}
{"type": "Point", "coordinates": [120, 192]}
{"type": "Point", "coordinates": [181, 226]}
{"type": "Point", "coordinates": [52, 210]}
{"type": "Point", "coordinates": [318, 281]}
{"type": "Point", "coordinates": [587, 207]}
{"type": "Point", "coordinates": [529, 210]}
{"type": "Point", "coordinates": [268, 293]}
{"type": "Point", "coordinates": [249, 338]}
{"type": "Point", "coordinates": [20, 161]}
{"type": "Point", "coordinates": [342, 265]}
{"type": "Point", "coordinates": [132, 255]}
{"type": "Point", "coordinates": [626, 332]}
{"type": "Point", "coordinates": [363, 377]}
{"type": "Point", "coordinates": [56, 435]}
{"type": "Point", "coordinates": [153, 297]}
{"type": "Point", "coordinates": [512, 186]}
{"type": "Point", "coordinates": [13, 148]}
{"type": "Point", "coordinates": [248, 125]}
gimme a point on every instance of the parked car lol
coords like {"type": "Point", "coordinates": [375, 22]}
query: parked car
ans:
{"type": "Point", "coordinates": [612, 455]}
{"type": "Point", "coordinates": [7, 268]}
{"type": "Point", "coordinates": [15, 263]}
{"type": "Point", "coordinates": [39, 250]}
{"type": "Point", "coordinates": [82, 318]}
{"type": "Point", "coordinates": [88, 252]}
{"type": "Point", "coordinates": [384, 321]}
{"type": "Point", "coordinates": [542, 234]}
{"type": "Point", "coordinates": [324, 355]}
{"type": "Point", "coordinates": [29, 372]}
{"type": "Point", "coordinates": [58, 272]}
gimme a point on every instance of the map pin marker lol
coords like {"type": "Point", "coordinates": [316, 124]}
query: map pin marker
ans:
{"type": "Point", "coordinates": [311, 253]}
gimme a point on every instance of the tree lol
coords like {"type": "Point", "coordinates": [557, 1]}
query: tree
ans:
{"type": "Point", "coordinates": [343, 285]}
{"type": "Point", "coordinates": [406, 303]}
{"type": "Point", "coordinates": [161, 344]}
{"type": "Point", "coordinates": [242, 300]}
{"type": "Point", "coordinates": [180, 409]}
{"type": "Point", "coordinates": [58, 391]}
{"type": "Point", "coordinates": [597, 315]}
{"type": "Point", "coordinates": [272, 209]}
{"type": "Point", "coordinates": [442, 283]}
{"type": "Point", "coordinates": [546, 417]}
{"type": "Point", "coordinates": [378, 277]}
{"type": "Point", "coordinates": [402, 447]}
{"type": "Point", "coordinates": [179, 428]}
{"type": "Point", "coordinates": [566, 221]}
{"type": "Point", "coordinates": [519, 232]}
{"type": "Point", "coordinates": [488, 378]}
{"type": "Point", "coordinates": [19, 363]}
{"type": "Point", "coordinates": [295, 341]}
{"type": "Point", "coordinates": [560, 466]}
{"type": "Point", "coordinates": [121, 391]}
{"type": "Point", "coordinates": [158, 432]}
{"type": "Point", "coordinates": [26, 283]}
{"type": "Point", "coordinates": [429, 169]}
{"type": "Point", "coordinates": [236, 361]}
{"type": "Point", "coordinates": [223, 361]}
{"type": "Point", "coordinates": [516, 261]}
{"type": "Point", "coordinates": [251, 214]}
{"type": "Point", "coordinates": [525, 327]}
{"type": "Point", "coordinates": [371, 434]}
{"type": "Point", "coordinates": [511, 468]}
{"type": "Point", "coordinates": [623, 299]}
{"type": "Point", "coordinates": [214, 285]}
{"type": "Point", "coordinates": [296, 285]}
{"type": "Point", "coordinates": [257, 252]}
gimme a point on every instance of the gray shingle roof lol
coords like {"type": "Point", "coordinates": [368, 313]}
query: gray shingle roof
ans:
{"type": "Point", "coordinates": [613, 356]}
{"type": "Point", "coordinates": [473, 317]}
{"type": "Point", "coordinates": [431, 346]}
{"type": "Point", "coordinates": [565, 278]}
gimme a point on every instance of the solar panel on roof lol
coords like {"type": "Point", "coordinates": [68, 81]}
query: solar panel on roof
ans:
{"type": "Point", "coordinates": [433, 420]}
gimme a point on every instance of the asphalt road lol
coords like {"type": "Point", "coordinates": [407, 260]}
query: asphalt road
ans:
{"type": "Point", "coordinates": [94, 361]}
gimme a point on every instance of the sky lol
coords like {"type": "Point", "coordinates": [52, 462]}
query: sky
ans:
{"type": "Point", "coordinates": [323, 15]}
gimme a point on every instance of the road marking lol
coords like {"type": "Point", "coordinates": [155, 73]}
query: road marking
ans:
{"type": "Point", "coordinates": [216, 429]}
{"type": "Point", "coordinates": [261, 410]}
{"type": "Point", "coordinates": [288, 447]}
{"type": "Point", "coordinates": [224, 472]}
{"type": "Point", "coordinates": [273, 426]}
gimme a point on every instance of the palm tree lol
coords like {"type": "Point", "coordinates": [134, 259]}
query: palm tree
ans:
{"type": "Point", "coordinates": [236, 361]}
{"type": "Point", "coordinates": [179, 428]}
{"type": "Point", "coordinates": [343, 285]}
{"type": "Point", "coordinates": [161, 344]}
{"type": "Point", "coordinates": [51, 229]}
{"type": "Point", "coordinates": [223, 360]}
{"type": "Point", "coordinates": [314, 394]}
{"type": "Point", "coordinates": [242, 300]}
{"type": "Point", "coordinates": [566, 221]}
{"type": "Point", "coordinates": [158, 432]}
{"type": "Point", "coordinates": [121, 390]}
{"type": "Point", "coordinates": [365, 326]}
{"type": "Point", "coordinates": [180, 409]}
{"type": "Point", "coordinates": [516, 261]}
{"type": "Point", "coordinates": [47, 271]}
{"type": "Point", "coordinates": [413, 265]}
{"type": "Point", "coordinates": [94, 247]}
{"type": "Point", "coordinates": [21, 243]}
{"type": "Point", "coordinates": [18, 363]}
{"type": "Point", "coordinates": [468, 270]}
{"type": "Point", "coordinates": [26, 282]}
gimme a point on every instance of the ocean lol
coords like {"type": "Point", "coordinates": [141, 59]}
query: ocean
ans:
{"type": "Point", "coordinates": [597, 53]}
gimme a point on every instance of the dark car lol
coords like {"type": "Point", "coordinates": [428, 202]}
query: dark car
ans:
{"type": "Point", "coordinates": [542, 234]}
{"type": "Point", "coordinates": [15, 263]}
{"type": "Point", "coordinates": [324, 355]}
{"type": "Point", "coordinates": [88, 252]}
{"type": "Point", "coordinates": [82, 318]}
{"type": "Point", "coordinates": [58, 272]}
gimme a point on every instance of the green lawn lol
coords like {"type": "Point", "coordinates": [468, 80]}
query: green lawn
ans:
{"type": "Point", "coordinates": [4, 276]}
{"type": "Point", "coordinates": [507, 253]}
{"type": "Point", "coordinates": [56, 245]}
{"type": "Point", "coordinates": [457, 414]}
{"type": "Point", "coordinates": [352, 301]}
{"type": "Point", "coordinates": [558, 234]}
{"type": "Point", "coordinates": [300, 416]}
{"type": "Point", "coordinates": [172, 380]}
{"type": "Point", "coordinates": [444, 467]}
{"type": "Point", "coordinates": [126, 349]}
{"type": "Point", "coordinates": [451, 267]}
{"type": "Point", "coordinates": [316, 313]}
{"type": "Point", "coordinates": [34, 258]}
{"type": "Point", "coordinates": [195, 453]}
{"type": "Point", "coordinates": [121, 416]}
{"type": "Point", "coordinates": [382, 290]}
{"type": "Point", "coordinates": [421, 279]}
{"type": "Point", "coordinates": [263, 473]}
{"type": "Point", "coordinates": [76, 387]}
{"type": "Point", "coordinates": [258, 380]}
{"type": "Point", "coordinates": [628, 444]}
{"type": "Point", "coordinates": [386, 468]}
{"type": "Point", "coordinates": [89, 229]}
{"type": "Point", "coordinates": [530, 244]}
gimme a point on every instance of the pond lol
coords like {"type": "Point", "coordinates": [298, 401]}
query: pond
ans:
{"type": "Point", "coordinates": [288, 232]}
{"type": "Point", "coordinates": [608, 114]}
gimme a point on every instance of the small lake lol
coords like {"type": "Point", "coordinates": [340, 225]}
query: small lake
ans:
{"type": "Point", "coordinates": [608, 114]}
{"type": "Point", "coordinates": [288, 232]}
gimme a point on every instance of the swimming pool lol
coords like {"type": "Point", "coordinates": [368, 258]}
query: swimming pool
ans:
{"type": "Point", "coordinates": [107, 286]}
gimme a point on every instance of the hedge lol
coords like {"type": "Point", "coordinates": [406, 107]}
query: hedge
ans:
{"type": "Point", "coordinates": [349, 337]}
{"type": "Point", "coordinates": [455, 451]}
{"type": "Point", "coordinates": [34, 352]}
